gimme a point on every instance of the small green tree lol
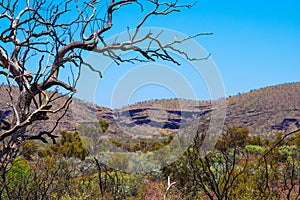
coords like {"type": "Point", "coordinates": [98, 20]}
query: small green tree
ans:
{"type": "Point", "coordinates": [29, 149]}
{"type": "Point", "coordinates": [255, 140]}
{"type": "Point", "coordinates": [233, 137]}
{"type": "Point", "coordinates": [70, 145]}
{"type": "Point", "coordinates": [102, 125]}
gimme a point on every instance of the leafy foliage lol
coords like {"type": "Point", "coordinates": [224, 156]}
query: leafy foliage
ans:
{"type": "Point", "coordinates": [233, 137]}
{"type": "Point", "coordinates": [245, 170]}
{"type": "Point", "coordinates": [29, 149]}
{"type": "Point", "coordinates": [70, 145]}
{"type": "Point", "coordinates": [254, 149]}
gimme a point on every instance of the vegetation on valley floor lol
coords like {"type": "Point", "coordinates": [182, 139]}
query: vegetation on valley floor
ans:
{"type": "Point", "coordinates": [239, 167]}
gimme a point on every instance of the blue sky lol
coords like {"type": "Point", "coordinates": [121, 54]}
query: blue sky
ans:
{"type": "Point", "coordinates": [254, 43]}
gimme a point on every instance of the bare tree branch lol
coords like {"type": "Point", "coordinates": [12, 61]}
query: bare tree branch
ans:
{"type": "Point", "coordinates": [40, 38]}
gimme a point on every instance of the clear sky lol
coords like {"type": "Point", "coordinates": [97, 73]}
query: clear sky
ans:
{"type": "Point", "coordinates": [254, 43]}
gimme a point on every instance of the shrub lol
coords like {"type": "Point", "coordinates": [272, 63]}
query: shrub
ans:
{"type": "Point", "coordinates": [254, 149]}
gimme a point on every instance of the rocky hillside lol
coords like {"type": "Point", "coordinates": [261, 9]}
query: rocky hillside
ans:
{"type": "Point", "coordinates": [264, 111]}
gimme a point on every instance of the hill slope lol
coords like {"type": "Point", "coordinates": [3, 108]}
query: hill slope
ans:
{"type": "Point", "coordinates": [264, 111]}
{"type": "Point", "coordinates": [275, 108]}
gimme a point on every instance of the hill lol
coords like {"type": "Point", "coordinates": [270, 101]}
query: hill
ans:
{"type": "Point", "coordinates": [267, 110]}
{"type": "Point", "coordinates": [264, 111]}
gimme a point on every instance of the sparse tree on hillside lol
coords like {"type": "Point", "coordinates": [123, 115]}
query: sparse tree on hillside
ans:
{"type": "Point", "coordinates": [39, 39]}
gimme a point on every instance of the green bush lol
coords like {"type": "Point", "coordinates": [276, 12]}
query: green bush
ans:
{"type": "Point", "coordinates": [287, 151]}
{"type": "Point", "coordinates": [29, 149]}
{"type": "Point", "coordinates": [119, 161]}
{"type": "Point", "coordinates": [17, 180]}
{"type": "Point", "coordinates": [70, 145]}
{"type": "Point", "coordinates": [254, 149]}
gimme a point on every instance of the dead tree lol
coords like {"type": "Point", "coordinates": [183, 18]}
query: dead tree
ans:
{"type": "Point", "coordinates": [39, 39]}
